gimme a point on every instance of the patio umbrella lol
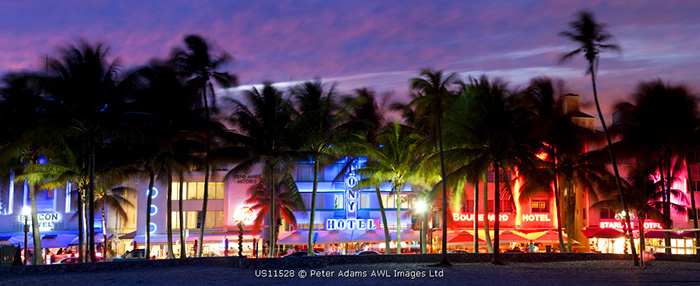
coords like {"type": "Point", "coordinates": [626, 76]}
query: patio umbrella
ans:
{"type": "Point", "coordinates": [407, 235]}
{"type": "Point", "coordinates": [549, 236]}
{"type": "Point", "coordinates": [371, 236]}
{"type": "Point", "coordinates": [603, 233]}
{"type": "Point", "coordinates": [332, 237]}
{"type": "Point", "coordinates": [661, 234]}
{"type": "Point", "coordinates": [509, 236]}
{"type": "Point", "coordinates": [296, 237]}
{"type": "Point", "coordinates": [460, 238]}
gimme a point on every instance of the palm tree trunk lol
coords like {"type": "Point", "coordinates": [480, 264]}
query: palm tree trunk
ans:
{"type": "Point", "coordinates": [570, 213]}
{"type": "Point", "coordinates": [104, 231]}
{"type": "Point", "coordinates": [497, 213]}
{"type": "Point", "coordinates": [37, 258]}
{"type": "Point", "coordinates": [312, 219]}
{"type": "Point", "coordinates": [169, 214]}
{"type": "Point", "coordinates": [444, 260]}
{"type": "Point", "coordinates": [692, 205]}
{"type": "Point", "coordinates": [387, 237]}
{"type": "Point", "coordinates": [557, 204]}
{"type": "Point", "coordinates": [273, 222]}
{"type": "Point", "coordinates": [487, 235]}
{"type": "Point", "coordinates": [149, 201]}
{"type": "Point", "coordinates": [612, 159]}
{"type": "Point", "coordinates": [183, 243]}
{"type": "Point", "coordinates": [476, 215]}
{"type": "Point", "coordinates": [205, 201]}
{"type": "Point", "coordinates": [81, 228]}
{"type": "Point", "coordinates": [398, 221]}
{"type": "Point", "coordinates": [91, 207]}
{"type": "Point", "coordinates": [666, 207]}
{"type": "Point", "coordinates": [667, 235]}
{"type": "Point", "coordinates": [642, 244]}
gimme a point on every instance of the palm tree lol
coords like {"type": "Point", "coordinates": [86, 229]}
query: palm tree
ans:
{"type": "Point", "coordinates": [434, 97]}
{"type": "Point", "coordinates": [263, 136]}
{"type": "Point", "coordinates": [395, 161]}
{"type": "Point", "coordinates": [365, 118]}
{"type": "Point", "coordinates": [84, 82]}
{"type": "Point", "coordinates": [658, 127]}
{"type": "Point", "coordinates": [593, 39]}
{"type": "Point", "coordinates": [317, 122]}
{"type": "Point", "coordinates": [283, 198]}
{"type": "Point", "coordinates": [115, 199]}
{"type": "Point", "coordinates": [201, 69]}
{"type": "Point", "coordinates": [645, 197]}
{"type": "Point", "coordinates": [495, 124]}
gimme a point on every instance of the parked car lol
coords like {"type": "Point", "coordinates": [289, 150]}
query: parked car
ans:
{"type": "Point", "coordinates": [367, 252]}
{"type": "Point", "coordinates": [67, 260]}
{"type": "Point", "coordinates": [136, 254]}
{"type": "Point", "coordinates": [458, 251]}
{"type": "Point", "coordinates": [301, 253]}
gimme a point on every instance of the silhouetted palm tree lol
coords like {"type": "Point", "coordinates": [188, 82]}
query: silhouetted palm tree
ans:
{"type": "Point", "coordinates": [594, 39]}
{"type": "Point", "coordinates": [494, 123]}
{"type": "Point", "coordinates": [396, 160]}
{"type": "Point", "coordinates": [264, 137]}
{"type": "Point", "coordinates": [434, 97]}
{"type": "Point", "coordinates": [317, 124]}
{"type": "Point", "coordinates": [200, 68]}
{"type": "Point", "coordinates": [658, 127]}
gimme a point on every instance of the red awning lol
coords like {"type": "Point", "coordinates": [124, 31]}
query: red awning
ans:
{"type": "Point", "coordinates": [602, 233]}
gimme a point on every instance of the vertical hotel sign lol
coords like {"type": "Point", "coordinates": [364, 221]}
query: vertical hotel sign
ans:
{"type": "Point", "coordinates": [350, 194]}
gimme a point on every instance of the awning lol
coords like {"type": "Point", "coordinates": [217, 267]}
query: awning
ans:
{"type": "Point", "coordinates": [296, 237]}
{"type": "Point", "coordinates": [510, 237]}
{"type": "Point", "coordinates": [155, 238]}
{"type": "Point", "coordinates": [549, 236]}
{"type": "Point", "coordinates": [407, 235]}
{"type": "Point", "coordinates": [47, 241]}
{"type": "Point", "coordinates": [602, 233]}
{"type": "Point", "coordinates": [370, 236]}
{"type": "Point", "coordinates": [130, 235]}
{"type": "Point", "coordinates": [219, 237]}
{"type": "Point", "coordinates": [460, 238]}
{"type": "Point", "coordinates": [99, 239]}
{"type": "Point", "coordinates": [332, 237]}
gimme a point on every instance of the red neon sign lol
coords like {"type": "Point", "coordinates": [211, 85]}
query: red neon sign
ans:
{"type": "Point", "coordinates": [620, 225]}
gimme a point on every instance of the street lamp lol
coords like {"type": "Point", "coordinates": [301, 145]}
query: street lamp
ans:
{"type": "Point", "coordinates": [241, 216]}
{"type": "Point", "coordinates": [26, 210]}
{"type": "Point", "coordinates": [421, 207]}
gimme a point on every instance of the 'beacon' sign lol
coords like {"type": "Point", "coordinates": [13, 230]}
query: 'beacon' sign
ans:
{"type": "Point", "coordinates": [350, 224]}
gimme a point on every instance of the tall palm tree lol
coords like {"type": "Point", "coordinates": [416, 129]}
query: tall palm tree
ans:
{"type": "Point", "coordinates": [496, 123]}
{"type": "Point", "coordinates": [85, 83]}
{"type": "Point", "coordinates": [395, 161]}
{"type": "Point", "coordinates": [282, 199]}
{"type": "Point", "coordinates": [317, 122]}
{"type": "Point", "coordinates": [201, 69]}
{"type": "Point", "coordinates": [659, 126]}
{"type": "Point", "coordinates": [263, 137]}
{"type": "Point", "coordinates": [645, 197]}
{"type": "Point", "coordinates": [594, 39]}
{"type": "Point", "coordinates": [365, 118]}
{"type": "Point", "coordinates": [434, 96]}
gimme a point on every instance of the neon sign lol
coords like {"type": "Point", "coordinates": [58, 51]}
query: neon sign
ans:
{"type": "Point", "coordinates": [536, 217]}
{"type": "Point", "coordinates": [480, 217]}
{"type": "Point", "coordinates": [47, 221]}
{"type": "Point", "coordinates": [634, 225]}
{"type": "Point", "coordinates": [350, 224]}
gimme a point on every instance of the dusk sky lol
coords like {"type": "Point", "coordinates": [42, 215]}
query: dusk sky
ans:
{"type": "Point", "coordinates": [374, 44]}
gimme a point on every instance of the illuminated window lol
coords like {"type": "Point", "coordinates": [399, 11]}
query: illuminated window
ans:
{"type": "Point", "coordinates": [305, 172]}
{"type": "Point", "coordinates": [338, 201]}
{"type": "Point", "coordinates": [539, 206]}
{"type": "Point", "coordinates": [365, 200]}
{"type": "Point", "coordinates": [195, 190]}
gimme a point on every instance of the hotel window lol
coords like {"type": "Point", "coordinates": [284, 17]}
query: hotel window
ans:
{"type": "Point", "coordinates": [506, 206]}
{"type": "Point", "coordinates": [607, 213]}
{"type": "Point", "coordinates": [390, 201]}
{"type": "Point", "coordinates": [365, 200]}
{"type": "Point", "coordinates": [305, 172]}
{"type": "Point", "coordinates": [338, 201]}
{"type": "Point", "coordinates": [215, 218]}
{"type": "Point", "coordinates": [491, 205]}
{"type": "Point", "coordinates": [689, 211]}
{"type": "Point", "coordinates": [539, 206]}
{"type": "Point", "coordinates": [195, 190]}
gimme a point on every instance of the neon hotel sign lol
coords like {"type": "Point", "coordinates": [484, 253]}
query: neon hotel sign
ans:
{"type": "Point", "coordinates": [501, 217]}
{"type": "Point", "coordinates": [620, 225]}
